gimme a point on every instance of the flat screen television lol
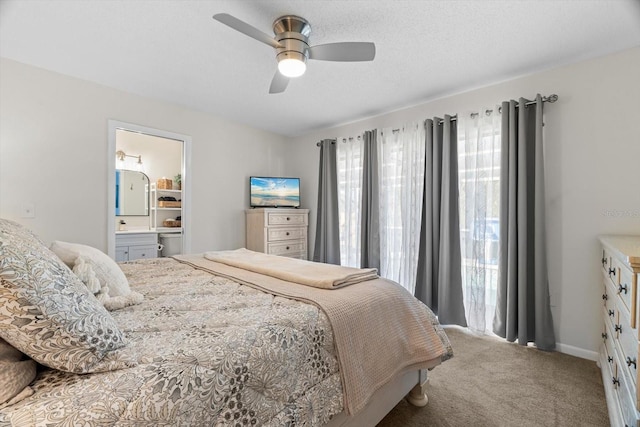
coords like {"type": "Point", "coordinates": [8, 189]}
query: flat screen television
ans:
{"type": "Point", "coordinates": [274, 192]}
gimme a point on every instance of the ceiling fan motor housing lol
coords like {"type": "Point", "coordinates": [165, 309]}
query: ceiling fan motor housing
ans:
{"type": "Point", "coordinates": [292, 32]}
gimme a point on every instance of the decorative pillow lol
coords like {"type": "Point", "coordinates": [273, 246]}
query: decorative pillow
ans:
{"type": "Point", "coordinates": [82, 269]}
{"type": "Point", "coordinates": [15, 375]}
{"type": "Point", "coordinates": [106, 269]}
{"type": "Point", "coordinates": [47, 313]}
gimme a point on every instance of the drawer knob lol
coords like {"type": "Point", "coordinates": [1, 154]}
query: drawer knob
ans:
{"type": "Point", "coordinates": [288, 218]}
{"type": "Point", "coordinates": [611, 313]}
{"type": "Point", "coordinates": [609, 359]}
{"type": "Point", "coordinates": [605, 297]}
{"type": "Point", "coordinates": [287, 233]}
{"type": "Point", "coordinates": [622, 288]}
{"type": "Point", "coordinates": [604, 335]}
{"type": "Point", "coordinates": [615, 381]}
{"type": "Point", "coordinates": [612, 271]}
{"type": "Point", "coordinates": [287, 247]}
{"type": "Point", "coordinates": [604, 261]}
{"type": "Point", "coordinates": [631, 362]}
{"type": "Point", "coordinates": [618, 328]}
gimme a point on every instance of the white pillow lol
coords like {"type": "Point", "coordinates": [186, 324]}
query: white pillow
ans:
{"type": "Point", "coordinates": [106, 269]}
{"type": "Point", "coordinates": [82, 269]}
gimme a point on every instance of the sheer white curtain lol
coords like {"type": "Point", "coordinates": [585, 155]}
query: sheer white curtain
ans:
{"type": "Point", "coordinates": [479, 183]}
{"type": "Point", "coordinates": [401, 156]}
{"type": "Point", "coordinates": [349, 168]}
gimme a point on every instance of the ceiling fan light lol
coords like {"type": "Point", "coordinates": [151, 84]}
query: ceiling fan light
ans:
{"type": "Point", "coordinates": [292, 67]}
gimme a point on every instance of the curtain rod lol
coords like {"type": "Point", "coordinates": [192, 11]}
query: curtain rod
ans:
{"type": "Point", "coordinates": [551, 99]}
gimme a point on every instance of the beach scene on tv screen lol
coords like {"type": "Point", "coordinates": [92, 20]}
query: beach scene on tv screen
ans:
{"type": "Point", "coordinates": [275, 191]}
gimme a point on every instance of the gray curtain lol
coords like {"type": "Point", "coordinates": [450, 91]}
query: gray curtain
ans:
{"type": "Point", "coordinates": [370, 220]}
{"type": "Point", "coordinates": [439, 279]}
{"type": "Point", "coordinates": [522, 310]}
{"type": "Point", "coordinates": [327, 244]}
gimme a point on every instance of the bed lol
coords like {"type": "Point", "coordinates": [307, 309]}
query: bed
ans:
{"type": "Point", "coordinates": [207, 343]}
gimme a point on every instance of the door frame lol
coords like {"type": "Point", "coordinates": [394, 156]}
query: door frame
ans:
{"type": "Point", "coordinates": [113, 126]}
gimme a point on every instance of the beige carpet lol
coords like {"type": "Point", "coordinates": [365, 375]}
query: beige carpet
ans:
{"type": "Point", "coordinates": [493, 383]}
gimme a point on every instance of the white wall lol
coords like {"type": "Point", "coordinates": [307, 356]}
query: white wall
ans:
{"type": "Point", "coordinates": [592, 142]}
{"type": "Point", "coordinates": [53, 153]}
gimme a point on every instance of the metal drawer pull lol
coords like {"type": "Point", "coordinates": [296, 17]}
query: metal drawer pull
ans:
{"type": "Point", "coordinates": [622, 288]}
{"type": "Point", "coordinates": [616, 382]}
{"type": "Point", "coordinates": [287, 233]}
{"type": "Point", "coordinates": [610, 359]}
{"type": "Point", "coordinates": [618, 328]}
{"type": "Point", "coordinates": [605, 297]}
{"type": "Point", "coordinates": [604, 335]}
{"type": "Point", "coordinates": [611, 313]}
{"type": "Point", "coordinates": [612, 271]}
{"type": "Point", "coordinates": [631, 362]}
{"type": "Point", "coordinates": [604, 261]}
{"type": "Point", "coordinates": [288, 218]}
{"type": "Point", "coordinates": [287, 247]}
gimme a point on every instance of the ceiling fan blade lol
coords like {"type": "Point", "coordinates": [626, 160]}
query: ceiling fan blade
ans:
{"type": "Point", "coordinates": [279, 83]}
{"type": "Point", "coordinates": [246, 29]}
{"type": "Point", "coordinates": [345, 51]}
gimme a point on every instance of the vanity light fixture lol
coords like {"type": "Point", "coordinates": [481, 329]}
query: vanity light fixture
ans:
{"type": "Point", "coordinates": [121, 155]}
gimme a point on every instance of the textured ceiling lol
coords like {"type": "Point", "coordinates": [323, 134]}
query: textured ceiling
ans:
{"type": "Point", "coordinates": [174, 51]}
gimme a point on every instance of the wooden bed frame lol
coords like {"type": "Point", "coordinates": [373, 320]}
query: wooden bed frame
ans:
{"type": "Point", "coordinates": [412, 384]}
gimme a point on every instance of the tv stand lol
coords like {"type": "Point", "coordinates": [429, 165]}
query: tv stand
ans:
{"type": "Point", "coordinates": [278, 231]}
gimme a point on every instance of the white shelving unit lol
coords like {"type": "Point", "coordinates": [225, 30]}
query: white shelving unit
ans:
{"type": "Point", "coordinates": [159, 214]}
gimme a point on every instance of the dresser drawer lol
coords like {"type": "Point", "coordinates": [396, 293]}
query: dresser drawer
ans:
{"type": "Point", "coordinates": [607, 342]}
{"type": "Point", "coordinates": [623, 289]}
{"type": "Point", "coordinates": [625, 392]}
{"type": "Point", "coordinates": [607, 366]}
{"type": "Point", "coordinates": [279, 234]}
{"type": "Point", "coordinates": [287, 248]}
{"type": "Point", "coordinates": [609, 297]}
{"type": "Point", "coordinates": [627, 337]}
{"type": "Point", "coordinates": [605, 261]}
{"type": "Point", "coordinates": [129, 239]}
{"type": "Point", "coordinates": [141, 252]}
{"type": "Point", "coordinates": [287, 219]}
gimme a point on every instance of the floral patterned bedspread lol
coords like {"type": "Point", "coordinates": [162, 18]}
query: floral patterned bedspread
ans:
{"type": "Point", "coordinates": [209, 351]}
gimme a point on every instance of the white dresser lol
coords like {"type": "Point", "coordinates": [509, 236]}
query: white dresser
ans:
{"type": "Point", "coordinates": [132, 245]}
{"type": "Point", "coordinates": [278, 231]}
{"type": "Point", "coordinates": [620, 266]}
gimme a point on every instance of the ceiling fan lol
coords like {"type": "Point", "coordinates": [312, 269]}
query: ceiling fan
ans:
{"type": "Point", "coordinates": [291, 42]}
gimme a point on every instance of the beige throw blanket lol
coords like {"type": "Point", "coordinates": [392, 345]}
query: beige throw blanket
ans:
{"type": "Point", "coordinates": [318, 275]}
{"type": "Point", "coordinates": [380, 329]}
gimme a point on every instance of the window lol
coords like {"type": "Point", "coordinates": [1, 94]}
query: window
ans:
{"type": "Point", "coordinates": [479, 184]}
{"type": "Point", "coordinates": [349, 153]}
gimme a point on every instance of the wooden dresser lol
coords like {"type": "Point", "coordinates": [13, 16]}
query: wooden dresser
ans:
{"type": "Point", "coordinates": [620, 265]}
{"type": "Point", "coordinates": [278, 231]}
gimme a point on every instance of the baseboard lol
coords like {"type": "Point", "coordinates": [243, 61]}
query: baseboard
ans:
{"type": "Point", "coordinates": [577, 351]}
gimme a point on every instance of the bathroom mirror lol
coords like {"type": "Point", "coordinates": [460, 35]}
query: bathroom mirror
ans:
{"type": "Point", "coordinates": [132, 193]}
